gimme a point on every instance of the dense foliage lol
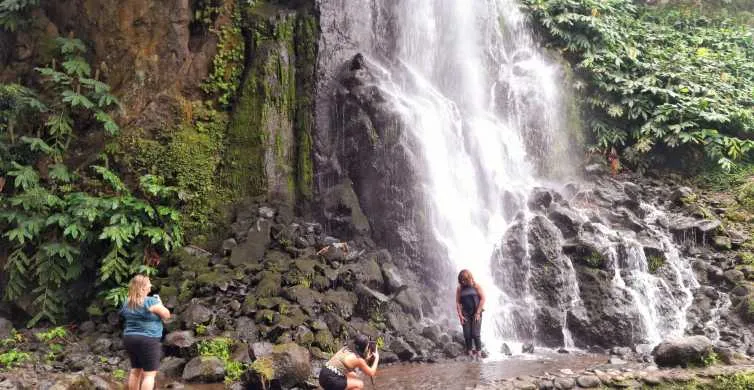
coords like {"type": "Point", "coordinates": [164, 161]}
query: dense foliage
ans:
{"type": "Point", "coordinates": [657, 78]}
{"type": "Point", "coordinates": [14, 12]}
{"type": "Point", "coordinates": [62, 218]}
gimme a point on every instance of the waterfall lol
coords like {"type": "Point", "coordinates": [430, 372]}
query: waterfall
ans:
{"type": "Point", "coordinates": [483, 105]}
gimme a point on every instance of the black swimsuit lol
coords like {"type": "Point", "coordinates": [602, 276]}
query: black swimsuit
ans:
{"type": "Point", "coordinates": [469, 297]}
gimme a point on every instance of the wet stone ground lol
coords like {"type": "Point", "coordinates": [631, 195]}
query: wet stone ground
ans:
{"type": "Point", "coordinates": [573, 371]}
{"type": "Point", "coordinates": [460, 375]}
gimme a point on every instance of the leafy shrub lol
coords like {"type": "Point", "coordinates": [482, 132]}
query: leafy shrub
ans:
{"type": "Point", "coordinates": [14, 13]}
{"type": "Point", "coordinates": [58, 221]}
{"type": "Point", "coordinates": [58, 334]}
{"type": "Point", "coordinates": [657, 79]}
{"type": "Point", "coordinates": [13, 357]}
{"type": "Point", "coordinates": [220, 348]}
{"type": "Point", "coordinates": [234, 370]}
{"type": "Point", "coordinates": [119, 374]}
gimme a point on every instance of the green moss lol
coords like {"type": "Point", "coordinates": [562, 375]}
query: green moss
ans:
{"type": "Point", "coordinates": [166, 292]}
{"type": "Point", "coordinates": [746, 258]}
{"type": "Point", "coordinates": [594, 259]}
{"type": "Point", "coordinates": [270, 131]}
{"type": "Point", "coordinates": [306, 57]}
{"type": "Point", "coordinates": [187, 290]}
{"type": "Point", "coordinates": [264, 368]}
{"type": "Point", "coordinates": [215, 278]}
{"type": "Point", "coordinates": [739, 381]}
{"type": "Point", "coordinates": [654, 263]}
{"type": "Point", "coordinates": [188, 156]}
{"type": "Point", "coordinates": [325, 341]}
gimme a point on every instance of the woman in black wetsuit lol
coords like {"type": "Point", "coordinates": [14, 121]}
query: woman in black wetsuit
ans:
{"type": "Point", "coordinates": [469, 306]}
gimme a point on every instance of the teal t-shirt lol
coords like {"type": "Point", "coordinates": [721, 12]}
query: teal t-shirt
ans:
{"type": "Point", "coordinates": [142, 322]}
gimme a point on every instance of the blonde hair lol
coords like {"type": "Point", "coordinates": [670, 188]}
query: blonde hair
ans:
{"type": "Point", "coordinates": [137, 291]}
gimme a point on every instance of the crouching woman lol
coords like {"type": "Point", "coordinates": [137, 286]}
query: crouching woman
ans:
{"type": "Point", "coordinates": [338, 373]}
{"type": "Point", "coordinates": [143, 329]}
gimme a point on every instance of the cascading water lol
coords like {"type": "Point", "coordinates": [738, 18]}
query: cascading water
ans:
{"type": "Point", "coordinates": [484, 107]}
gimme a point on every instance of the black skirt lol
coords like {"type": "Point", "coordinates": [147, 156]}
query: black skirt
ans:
{"type": "Point", "coordinates": [331, 380]}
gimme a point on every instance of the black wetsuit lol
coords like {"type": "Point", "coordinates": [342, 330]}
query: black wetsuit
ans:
{"type": "Point", "coordinates": [469, 298]}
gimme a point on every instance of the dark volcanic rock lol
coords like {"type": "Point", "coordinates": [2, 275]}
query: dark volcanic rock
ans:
{"type": "Point", "coordinates": [693, 350]}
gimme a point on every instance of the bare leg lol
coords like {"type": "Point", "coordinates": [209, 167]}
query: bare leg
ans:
{"type": "Point", "coordinates": [134, 378]}
{"type": "Point", "coordinates": [354, 383]}
{"type": "Point", "coordinates": [147, 380]}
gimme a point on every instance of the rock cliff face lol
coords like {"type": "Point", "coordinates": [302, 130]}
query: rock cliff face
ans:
{"type": "Point", "coordinates": [145, 49]}
{"type": "Point", "coordinates": [270, 133]}
{"type": "Point", "coordinates": [156, 56]}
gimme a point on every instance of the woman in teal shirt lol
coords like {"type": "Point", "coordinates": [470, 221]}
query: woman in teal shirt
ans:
{"type": "Point", "coordinates": [141, 337]}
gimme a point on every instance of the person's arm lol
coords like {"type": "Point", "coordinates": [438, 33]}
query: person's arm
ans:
{"type": "Point", "coordinates": [362, 364]}
{"type": "Point", "coordinates": [458, 305]}
{"type": "Point", "coordinates": [160, 310]}
{"type": "Point", "coordinates": [480, 306]}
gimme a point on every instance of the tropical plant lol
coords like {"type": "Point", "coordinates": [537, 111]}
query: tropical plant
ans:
{"type": "Point", "coordinates": [13, 13]}
{"type": "Point", "coordinates": [59, 221]}
{"type": "Point", "coordinates": [657, 79]}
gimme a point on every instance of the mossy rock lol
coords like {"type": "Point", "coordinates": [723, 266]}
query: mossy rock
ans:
{"type": "Point", "coordinates": [304, 336]}
{"type": "Point", "coordinates": [167, 292]}
{"type": "Point", "coordinates": [722, 243]}
{"type": "Point", "coordinates": [292, 316]}
{"type": "Point", "coordinates": [325, 341]}
{"type": "Point", "coordinates": [341, 302]}
{"type": "Point", "coordinates": [271, 302]}
{"type": "Point", "coordinates": [249, 304]}
{"type": "Point", "coordinates": [186, 290]}
{"type": "Point", "coordinates": [321, 283]}
{"type": "Point", "coordinates": [277, 261]}
{"type": "Point", "coordinates": [305, 265]}
{"type": "Point", "coordinates": [269, 317]}
{"type": "Point", "coordinates": [188, 262]}
{"type": "Point", "coordinates": [216, 278]}
{"type": "Point", "coordinates": [746, 309]}
{"type": "Point", "coordinates": [263, 369]}
{"type": "Point", "coordinates": [269, 284]}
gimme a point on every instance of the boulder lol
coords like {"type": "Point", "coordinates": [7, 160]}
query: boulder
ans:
{"type": "Point", "coordinates": [259, 350]}
{"type": "Point", "coordinates": [291, 364]}
{"type": "Point", "coordinates": [172, 366]}
{"type": "Point", "coordinates": [366, 271]}
{"type": "Point", "coordinates": [180, 339]}
{"type": "Point", "coordinates": [343, 211]}
{"type": "Point", "coordinates": [206, 369]}
{"type": "Point", "coordinates": [682, 196]}
{"type": "Point", "coordinates": [684, 351]}
{"type": "Point", "coordinates": [252, 250]}
{"type": "Point", "coordinates": [402, 349]}
{"type": "Point", "coordinates": [102, 345]}
{"type": "Point", "coordinates": [369, 301]}
{"type": "Point", "coordinates": [540, 199]}
{"type": "Point", "coordinates": [5, 328]}
{"type": "Point", "coordinates": [246, 329]}
{"type": "Point", "coordinates": [227, 246]}
{"type": "Point", "coordinates": [567, 220]}
{"type": "Point", "coordinates": [392, 277]}
{"type": "Point", "coordinates": [196, 313]}
{"type": "Point", "coordinates": [341, 302]}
